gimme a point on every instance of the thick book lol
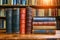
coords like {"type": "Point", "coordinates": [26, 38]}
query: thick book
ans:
{"type": "Point", "coordinates": [43, 31]}
{"type": "Point", "coordinates": [29, 21]}
{"type": "Point", "coordinates": [43, 27]}
{"type": "Point", "coordinates": [15, 20]}
{"type": "Point", "coordinates": [8, 20]}
{"type": "Point", "coordinates": [22, 20]}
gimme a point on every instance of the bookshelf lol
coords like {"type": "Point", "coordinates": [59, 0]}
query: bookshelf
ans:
{"type": "Point", "coordinates": [29, 36]}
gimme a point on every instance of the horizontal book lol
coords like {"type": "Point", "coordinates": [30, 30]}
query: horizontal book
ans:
{"type": "Point", "coordinates": [44, 22]}
{"type": "Point", "coordinates": [53, 19]}
{"type": "Point", "coordinates": [43, 31]}
{"type": "Point", "coordinates": [43, 27]}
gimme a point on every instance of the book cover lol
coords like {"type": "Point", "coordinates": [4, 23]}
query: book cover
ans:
{"type": "Point", "coordinates": [29, 21]}
{"type": "Point", "coordinates": [9, 20]}
{"type": "Point", "coordinates": [22, 20]}
{"type": "Point", "coordinates": [23, 2]}
{"type": "Point", "coordinates": [14, 2]}
{"type": "Point", "coordinates": [1, 2]}
{"type": "Point", "coordinates": [18, 2]}
{"type": "Point", "coordinates": [43, 31]}
{"type": "Point", "coordinates": [15, 20]}
{"type": "Point", "coordinates": [43, 27]}
{"type": "Point", "coordinates": [4, 1]}
{"type": "Point", "coordinates": [1, 23]}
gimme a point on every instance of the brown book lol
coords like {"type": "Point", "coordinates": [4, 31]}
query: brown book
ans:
{"type": "Point", "coordinates": [29, 21]}
{"type": "Point", "coordinates": [22, 20]}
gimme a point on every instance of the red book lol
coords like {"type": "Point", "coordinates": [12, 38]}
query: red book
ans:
{"type": "Point", "coordinates": [22, 20]}
{"type": "Point", "coordinates": [54, 12]}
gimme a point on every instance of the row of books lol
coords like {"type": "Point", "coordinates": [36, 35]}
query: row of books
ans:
{"type": "Point", "coordinates": [19, 20]}
{"type": "Point", "coordinates": [44, 25]}
{"type": "Point", "coordinates": [45, 12]}
{"type": "Point", "coordinates": [12, 2]}
{"type": "Point", "coordinates": [30, 2]}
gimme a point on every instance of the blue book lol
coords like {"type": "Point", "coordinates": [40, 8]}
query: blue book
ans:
{"type": "Point", "coordinates": [43, 31]}
{"type": "Point", "coordinates": [4, 1]}
{"type": "Point", "coordinates": [18, 1]}
{"type": "Point", "coordinates": [15, 20]}
{"type": "Point", "coordinates": [14, 2]}
{"type": "Point", "coordinates": [9, 20]}
{"type": "Point", "coordinates": [39, 31]}
{"type": "Point", "coordinates": [44, 19]}
{"type": "Point", "coordinates": [23, 2]}
{"type": "Point", "coordinates": [1, 23]}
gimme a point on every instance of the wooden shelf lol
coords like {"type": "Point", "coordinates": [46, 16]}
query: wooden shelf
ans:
{"type": "Point", "coordinates": [44, 7]}
{"type": "Point", "coordinates": [12, 6]}
{"type": "Point", "coordinates": [29, 36]}
{"type": "Point", "coordinates": [2, 17]}
{"type": "Point", "coordinates": [33, 6]}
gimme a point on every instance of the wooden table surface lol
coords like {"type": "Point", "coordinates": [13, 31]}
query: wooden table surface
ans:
{"type": "Point", "coordinates": [30, 36]}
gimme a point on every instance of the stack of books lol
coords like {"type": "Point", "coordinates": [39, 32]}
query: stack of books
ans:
{"type": "Point", "coordinates": [43, 25]}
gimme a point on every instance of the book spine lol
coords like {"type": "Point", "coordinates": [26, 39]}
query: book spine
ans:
{"type": "Point", "coordinates": [0, 2]}
{"type": "Point", "coordinates": [43, 31]}
{"type": "Point", "coordinates": [1, 23]}
{"type": "Point", "coordinates": [4, 2]}
{"type": "Point", "coordinates": [18, 2]}
{"type": "Point", "coordinates": [22, 20]}
{"type": "Point", "coordinates": [24, 2]}
{"type": "Point", "coordinates": [29, 21]}
{"type": "Point", "coordinates": [43, 27]}
{"type": "Point", "coordinates": [9, 20]}
{"type": "Point", "coordinates": [15, 20]}
{"type": "Point", "coordinates": [14, 2]}
{"type": "Point", "coordinates": [4, 24]}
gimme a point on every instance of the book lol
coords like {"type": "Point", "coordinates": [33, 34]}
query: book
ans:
{"type": "Point", "coordinates": [14, 2]}
{"type": "Point", "coordinates": [43, 27]}
{"type": "Point", "coordinates": [0, 2]}
{"type": "Point", "coordinates": [58, 12]}
{"type": "Point", "coordinates": [10, 2]}
{"type": "Point", "coordinates": [18, 2]}
{"type": "Point", "coordinates": [22, 20]}
{"type": "Point", "coordinates": [44, 23]}
{"type": "Point", "coordinates": [15, 20]}
{"type": "Point", "coordinates": [41, 12]}
{"type": "Point", "coordinates": [1, 23]}
{"type": "Point", "coordinates": [4, 2]}
{"type": "Point", "coordinates": [29, 21]}
{"type": "Point", "coordinates": [8, 20]}
{"type": "Point", "coordinates": [23, 2]}
{"type": "Point", "coordinates": [44, 19]}
{"type": "Point", "coordinates": [43, 31]}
